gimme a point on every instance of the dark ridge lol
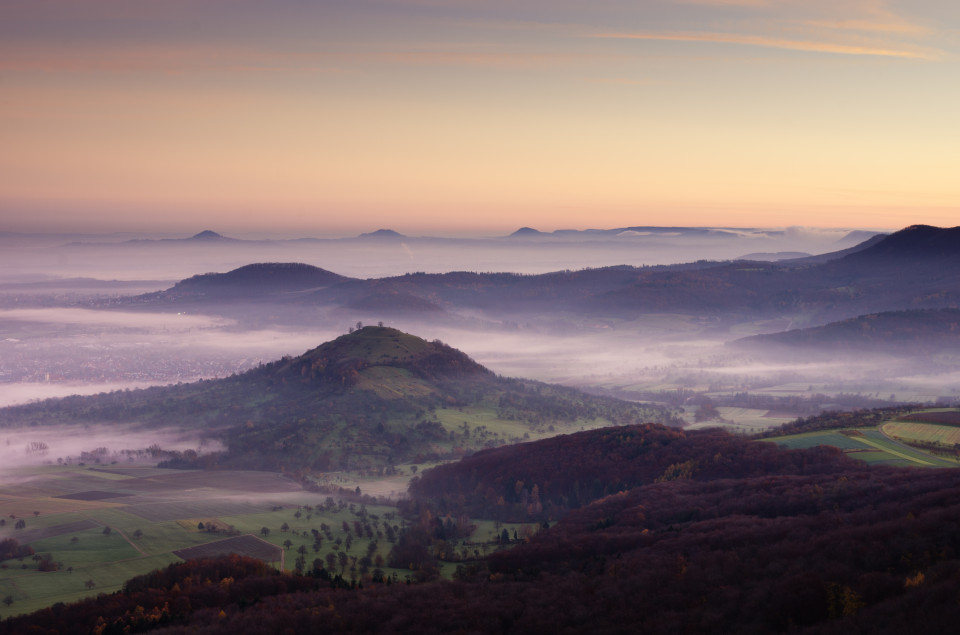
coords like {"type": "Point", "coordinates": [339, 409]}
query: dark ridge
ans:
{"type": "Point", "coordinates": [382, 233]}
{"type": "Point", "coordinates": [526, 231]}
{"type": "Point", "coordinates": [915, 243]}
{"type": "Point", "coordinates": [279, 276]}
{"type": "Point", "coordinates": [569, 471]}
{"type": "Point", "coordinates": [208, 235]}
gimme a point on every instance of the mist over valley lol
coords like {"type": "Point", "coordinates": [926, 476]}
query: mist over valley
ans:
{"type": "Point", "coordinates": [496, 427]}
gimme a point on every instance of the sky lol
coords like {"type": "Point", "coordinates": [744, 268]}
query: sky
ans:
{"type": "Point", "coordinates": [458, 116]}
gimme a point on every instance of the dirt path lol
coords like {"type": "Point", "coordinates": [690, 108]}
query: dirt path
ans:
{"type": "Point", "coordinates": [124, 536]}
{"type": "Point", "coordinates": [132, 544]}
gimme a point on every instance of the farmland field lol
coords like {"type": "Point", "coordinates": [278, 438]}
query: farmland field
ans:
{"type": "Point", "coordinates": [926, 432]}
{"type": "Point", "coordinates": [865, 444]}
{"type": "Point", "coordinates": [103, 527]}
{"type": "Point", "coordinates": [243, 545]}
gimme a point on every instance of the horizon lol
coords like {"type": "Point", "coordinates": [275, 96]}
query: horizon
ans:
{"type": "Point", "coordinates": [437, 233]}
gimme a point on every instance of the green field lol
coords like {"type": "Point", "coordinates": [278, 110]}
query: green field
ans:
{"type": "Point", "coordinates": [151, 514]}
{"type": "Point", "coordinates": [866, 444]}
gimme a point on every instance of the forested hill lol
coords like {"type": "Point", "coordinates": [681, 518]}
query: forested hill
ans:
{"type": "Point", "coordinates": [543, 480]}
{"type": "Point", "coordinates": [368, 399]}
{"type": "Point", "coordinates": [256, 279]}
{"type": "Point", "coordinates": [916, 243]}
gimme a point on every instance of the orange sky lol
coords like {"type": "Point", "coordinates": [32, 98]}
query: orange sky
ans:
{"type": "Point", "coordinates": [451, 116]}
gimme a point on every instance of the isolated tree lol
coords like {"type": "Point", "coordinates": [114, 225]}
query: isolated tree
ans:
{"type": "Point", "coordinates": [35, 514]}
{"type": "Point", "coordinates": [287, 543]}
{"type": "Point", "coordinates": [8, 600]}
{"type": "Point", "coordinates": [20, 524]}
{"type": "Point", "coordinates": [138, 534]}
{"type": "Point", "coordinates": [284, 527]}
{"type": "Point", "coordinates": [264, 531]}
{"type": "Point", "coordinates": [89, 584]}
{"type": "Point", "coordinates": [107, 530]}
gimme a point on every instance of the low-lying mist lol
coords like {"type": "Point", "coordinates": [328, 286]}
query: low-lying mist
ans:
{"type": "Point", "coordinates": [118, 257]}
{"type": "Point", "coordinates": [50, 350]}
{"type": "Point", "coordinates": [93, 444]}
{"type": "Point", "coordinates": [76, 351]}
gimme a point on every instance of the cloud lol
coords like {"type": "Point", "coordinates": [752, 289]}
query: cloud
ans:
{"type": "Point", "coordinates": [770, 41]}
{"type": "Point", "coordinates": [198, 58]}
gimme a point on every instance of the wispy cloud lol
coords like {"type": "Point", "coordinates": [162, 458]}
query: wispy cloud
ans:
{"type": "Point", "coordinates": [180, 59]}
{"type": "Point", "coordinates": [767, 41]}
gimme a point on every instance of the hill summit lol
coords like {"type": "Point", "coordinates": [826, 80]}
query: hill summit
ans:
{"type": "Point", "coordinates": [376, 357]}
{"type": "Point", "coordinates": [915, 243]}
{"type": "Point", "coordinates": [256, 279]}
{"type": "Point", "coordinates": [207, 234]}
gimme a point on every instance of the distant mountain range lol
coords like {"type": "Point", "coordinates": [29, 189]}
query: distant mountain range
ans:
{"type": "Point", "coordinates": [916, 268]}
{"type": "Point", "coordinates": [645, 231]}
{"type": "Point", "coordinates": [368, 399]}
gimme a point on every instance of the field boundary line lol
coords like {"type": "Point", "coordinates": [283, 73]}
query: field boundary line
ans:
{"type": "Point", "coordinates": [122, 535]}
{"type": "Point", "coordinates": [132, 544]}
{"type": "Point", "coordinates": [894, 452]}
